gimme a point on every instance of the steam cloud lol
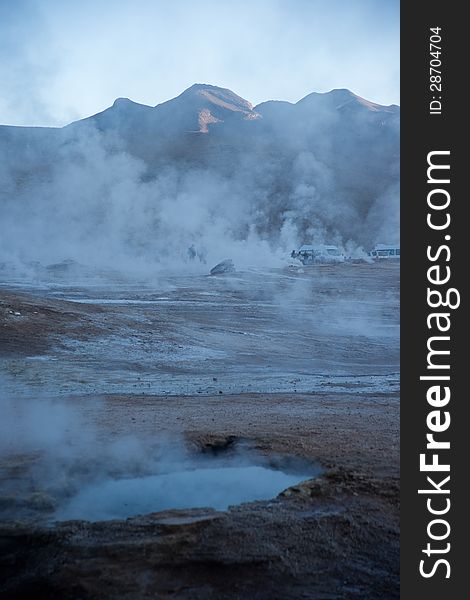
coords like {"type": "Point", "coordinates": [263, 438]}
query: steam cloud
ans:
{"type": "Point", "coordinates": [58, 464]}
{"type": "Point", "coordinates": [99, 198]}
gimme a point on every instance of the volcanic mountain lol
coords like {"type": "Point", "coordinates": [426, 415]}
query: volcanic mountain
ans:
{"type": "Point", "coordinates": [219, 112]}
{"type": "Point", "coordinates": [329, 154]}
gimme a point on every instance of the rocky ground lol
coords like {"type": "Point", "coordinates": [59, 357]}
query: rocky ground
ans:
{"type": "Point", "coordinates": [335, 536]}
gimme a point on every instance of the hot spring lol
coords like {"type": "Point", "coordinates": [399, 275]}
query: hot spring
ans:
{"type": "Point", "coordinates": [218, 487]}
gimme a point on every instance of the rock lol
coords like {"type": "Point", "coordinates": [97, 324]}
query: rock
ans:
{"type": "Point", "coordinates": [226, 266]}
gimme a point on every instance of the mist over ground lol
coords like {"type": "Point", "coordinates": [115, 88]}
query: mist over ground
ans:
{"type": "Point", "coordinates": [57, 462]}
{"type": "Point", "coordinates": [135, 187]}
{"type": "Point", "coordinates": [134, 385]}
{"type": "Point", "coordinates": [162, 194]}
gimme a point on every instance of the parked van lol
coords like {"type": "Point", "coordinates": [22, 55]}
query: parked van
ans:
{"type": "Point", "coordinates": [320, 254]}
{"type": "Point", "coordinates": [385, 252]}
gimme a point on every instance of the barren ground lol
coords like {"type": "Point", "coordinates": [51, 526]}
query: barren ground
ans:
{"type": "Point", "coordinates": [290, 364]}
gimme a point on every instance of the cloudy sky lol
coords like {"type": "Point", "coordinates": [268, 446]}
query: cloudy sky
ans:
{"type": "Point", "coordinates": [61, 60]}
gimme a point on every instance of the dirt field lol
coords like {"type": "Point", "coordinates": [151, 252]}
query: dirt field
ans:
{"type": "Point", "coordinates": [286, 364]}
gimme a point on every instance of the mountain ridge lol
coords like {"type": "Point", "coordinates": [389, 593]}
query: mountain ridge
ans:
{"type": "Point", "coordinates": [325, 168]}
{"type": "Point", "coordinates": [218, 100]}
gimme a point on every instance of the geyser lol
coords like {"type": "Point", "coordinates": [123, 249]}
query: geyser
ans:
{"type": "Point", "coordinates": [216, 488]}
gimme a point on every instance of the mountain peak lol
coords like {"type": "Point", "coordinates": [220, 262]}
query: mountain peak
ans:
{"type": "Point", "coordinates": [122, 102]}
{"type": "Point", "coordinates": [336, 96]}
{"type": "Point", "coordinates": [202, 86]}
{"type": "Point", "coordinates": [341, 93]}
{"type": "Point", "coordinates": [222, 97]}
{"type": "Point", "coordinates": [340, 98]}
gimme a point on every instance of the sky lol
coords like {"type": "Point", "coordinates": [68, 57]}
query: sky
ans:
{"type": "Point", "coordinates": [62, 60]}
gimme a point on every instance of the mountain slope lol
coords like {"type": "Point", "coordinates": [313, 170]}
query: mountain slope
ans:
{"type": "Point", "coordinates": [327, 166]}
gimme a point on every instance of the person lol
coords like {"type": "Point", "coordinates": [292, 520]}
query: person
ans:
{"type": "Point", "coordinates": [191, 252]}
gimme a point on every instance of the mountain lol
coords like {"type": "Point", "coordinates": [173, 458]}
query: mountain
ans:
{"type": "Point", "coordinates": [194, 111]}
{"type": "Point", "coordinates": [328, 163]}
{"type": "Point", "coordinates": [219, 112]}
{"type": "Point", "coordinates": [209, 109]}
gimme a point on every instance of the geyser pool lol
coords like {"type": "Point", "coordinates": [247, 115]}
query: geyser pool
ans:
{"type": "Point", "coordinates": [216, 488]}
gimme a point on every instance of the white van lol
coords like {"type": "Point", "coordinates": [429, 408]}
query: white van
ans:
{"type": "Point", "coordinates": [385, 252]}
{"type": "Point", "coordinates": [320, 254]}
